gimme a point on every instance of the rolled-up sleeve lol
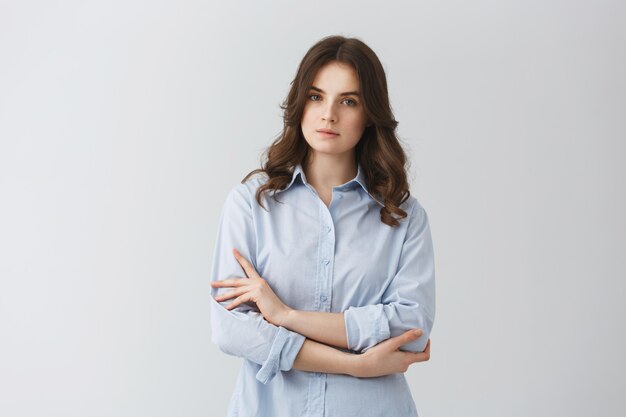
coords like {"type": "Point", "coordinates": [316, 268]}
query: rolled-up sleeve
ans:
{"type": "Point", "coordinates": [243, 332]}
{"type": "Point", "coordinates": [409, 300]}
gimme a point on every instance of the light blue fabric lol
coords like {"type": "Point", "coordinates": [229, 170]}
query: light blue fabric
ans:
{"type": "Point", "coordinates": [340, 258]}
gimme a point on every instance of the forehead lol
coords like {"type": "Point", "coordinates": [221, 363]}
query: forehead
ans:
{"type": "Point", "coordinates": [336, 76]}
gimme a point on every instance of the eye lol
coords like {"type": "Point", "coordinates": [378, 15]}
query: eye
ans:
{"type": "Point", "coordinates": [313, 95]}
{"type": "Point", "coordinates": [351, 103]}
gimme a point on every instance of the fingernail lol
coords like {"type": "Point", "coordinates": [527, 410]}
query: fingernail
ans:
{"type": "Point", "coordinates": [417, 332]}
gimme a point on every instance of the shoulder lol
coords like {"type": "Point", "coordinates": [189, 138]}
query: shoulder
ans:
{"type": "Point", "coordinates": [416, 213]}
{"type": "Point", "coordinates": [253, 182]}
{"type": "Point", "coordinates": [245, 192]}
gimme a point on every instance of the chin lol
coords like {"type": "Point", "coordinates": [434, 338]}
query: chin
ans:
{"type": "Point", "coordinates": [330, 150]}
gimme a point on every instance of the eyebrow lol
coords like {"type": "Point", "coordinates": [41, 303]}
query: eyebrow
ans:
{"type": "Point", "coordinates": [347, 93]}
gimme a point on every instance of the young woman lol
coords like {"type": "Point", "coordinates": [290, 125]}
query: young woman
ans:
{"type": "Point", "coordinates": [326, 289]}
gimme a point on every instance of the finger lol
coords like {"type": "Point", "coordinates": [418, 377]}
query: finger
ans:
{"type": "Point", "coordinates": [231, 294]}
{"type": "Point", "coordinates": [421, 356]}
{"type": "Point", "coordinates": [247, 266]}
{"type": "Point", "coordinates": [237, 301]}
{"type": "Point", "coordinates": [231, 282]}
{"type": "Point", "coordinates": [407, 337]}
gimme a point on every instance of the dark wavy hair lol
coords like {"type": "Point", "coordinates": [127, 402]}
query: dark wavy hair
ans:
{"type": "Point", "coordinates": [379, 152]}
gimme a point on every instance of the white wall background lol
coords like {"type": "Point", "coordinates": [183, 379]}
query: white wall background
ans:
{"type": "Point", "coordinates": [124, 123]}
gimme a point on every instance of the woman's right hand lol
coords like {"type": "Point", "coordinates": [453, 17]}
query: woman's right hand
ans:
{"type": "Point", "coordinates": [385, 358]}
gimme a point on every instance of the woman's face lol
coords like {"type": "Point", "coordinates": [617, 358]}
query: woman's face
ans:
{"type": "Point", "coordinates": [333, 102]}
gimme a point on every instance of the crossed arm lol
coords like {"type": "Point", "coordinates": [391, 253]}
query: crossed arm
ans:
{"type": "Point", "coordinates": [321, 329]}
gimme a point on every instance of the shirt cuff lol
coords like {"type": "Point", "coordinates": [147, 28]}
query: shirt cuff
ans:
{"type": "Point", "coordinates": [366, 326]}
{"type": "Point", "coordinates": [283, 352]}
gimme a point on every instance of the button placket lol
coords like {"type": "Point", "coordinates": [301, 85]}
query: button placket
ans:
{"type": "Point", "coordinates": [327, 249]}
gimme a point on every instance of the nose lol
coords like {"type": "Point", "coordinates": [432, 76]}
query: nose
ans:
{"type": "Point", "coordinates": [329, 112]}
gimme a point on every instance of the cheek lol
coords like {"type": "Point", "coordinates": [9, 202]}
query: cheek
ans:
{"type": "Point", "coordinates": [306, 117]}
{"type": "Point", "coordinates": [307, 125]}
{"type": "Point", "coordinates": [357, 122]}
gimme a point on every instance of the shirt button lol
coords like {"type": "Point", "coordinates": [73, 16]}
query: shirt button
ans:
{"type": "Point", "coordinates": [326, 261]}
{"type": "Point", "coordinates": [323, 298]}
{"type": "Point", "coordinates": [328, 228]}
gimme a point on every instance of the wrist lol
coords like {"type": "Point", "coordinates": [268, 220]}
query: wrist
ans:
{"type": "Point", "coordinates": [287, 317]}
{"type": "Point", "coordinates": [354, 364]}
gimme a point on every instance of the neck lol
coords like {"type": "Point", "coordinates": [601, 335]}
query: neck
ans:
{"type": "Point", "coordinates": [327, 171]}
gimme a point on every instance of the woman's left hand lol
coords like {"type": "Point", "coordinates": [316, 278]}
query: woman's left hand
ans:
{"type": "Point", "coordinates": [255, 289]}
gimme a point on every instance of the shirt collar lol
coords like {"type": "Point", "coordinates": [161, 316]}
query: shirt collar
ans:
{"type": "Point", "coordinates": [359, 180]}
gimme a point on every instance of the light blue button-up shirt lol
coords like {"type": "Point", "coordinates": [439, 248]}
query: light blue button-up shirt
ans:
{"type": "Point", "coordinates": [339, 258]}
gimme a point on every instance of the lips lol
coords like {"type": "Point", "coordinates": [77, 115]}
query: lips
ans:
{"type": "Point", "coordinates": [327, 131]}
